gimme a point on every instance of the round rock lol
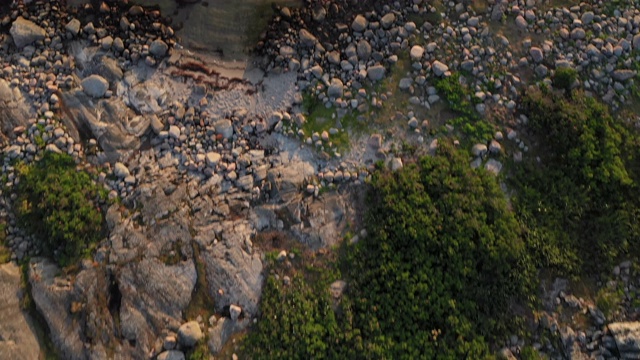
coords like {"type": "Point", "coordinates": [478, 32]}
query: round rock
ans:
{"type": "Point", "coordinates": [189, 333]}
{"type": "Point", "coordinates": [158, 48]}
{"type": "Point", "coordinates": [95, 86]}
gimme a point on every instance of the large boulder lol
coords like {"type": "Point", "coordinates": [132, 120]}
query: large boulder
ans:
{"type": "Point", "coordinates": [376, 72]}
{"type": "Point", "coordinates": [189, 334]}
{"type": "Point", "coordinates": [14, 109]}
{"type": "Point", "coordinates": [95, 86]}
{"type": "Point", "coordinates": [25, 32]}
{"type": "Point", "coordinates": [627, 338]}
{"type": "Point", "coordinates": [336, 88]}
{"type": "Point", "coordinates": [158, 48]}
{"type": "Point", "coordinates": [17, 340]}
{"type": "Point", "coordinates": [307, 39]}
{"type": "Point", "coordinates": [359, 24]}
{"type": "Point", "coordinates": [439, 68]}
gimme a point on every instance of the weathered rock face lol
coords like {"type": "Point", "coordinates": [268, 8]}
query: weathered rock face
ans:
{"type": "Point", "coordinates": [14, 110]}
{"type": "Point", "coordinates": [78, 322]}
{"type": "Point", "coordinates": [25, 32]}
{"type": "Point", "coordinates": [627, 338]}
{"type": "Point", "coordinates": [102, 120]}
{"type": "Point", "coordinates": [17, 339]}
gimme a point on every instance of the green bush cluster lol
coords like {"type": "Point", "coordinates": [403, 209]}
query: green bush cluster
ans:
{"type": "Point", "coordinates": [463, 102]}
{"type": "Point", "coordinates": [60, 206]}
{"type": "Point", "coordinates": [564, 78]}
{"type": "Point", "coordinates": [579, 204]}
{"type": "Point", "coordinates": [434, 280]}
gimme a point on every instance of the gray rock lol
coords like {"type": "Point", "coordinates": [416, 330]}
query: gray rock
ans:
{"type": "Point", "coordinates": [623, 74]}
{"type": "Point", "coordinates": [336, 88]}
{"type": "Point", "coordinates": [25, 32]}
{"type": "Point", "coordinates": [120, 170]}
{"type": "Point", "coordinates": [439, 68]}
{"type": "Point", "coordinates": [388, 20]}
{"type": "Point", "coordinates": [498, 9]}
{"type": "Point", "coordinates": [223, 330]}
{"type": "Point", "coordinates": [189, 334]}
{"type": "Point", "coordinates": [416, 52]}
{"type": "Point", "coordinates": [14, 109]}
{"type": "Point", "coordinates": [405, 83]}
{"type": "Point", "coordinates": [375, 141]}
{"type": "Point", "coordinates": [587, 17]}
{"type": "Point", "coordinates": [212, 158]}
{"type": "Point", "coordinates": [376, 72]}
{"type": "Point", "coordinates": [224, 127]}
{"type": "Point", "coordinates": [627, 338]}
{"type": "Point", "coordinates": [234, 312]}
{"type": "Point", "coordinates": [467, 65]}
{"type": "Point", "coordinates": [17, 339]}
{"type": "Point", "coordinates": [493, 166]}
{"type": "Point", "coordinates": [158, 48]}
{"type": "Point", "coordinates": [95, 86]}
{"type": "Point", "coordinates": [307, 39]}
{"type": "Point", "coordinates": [541, 70]}
{"type": "Point", "coordinates": [578, 34]}
{"type": "Point", "coordinates": [479, 149]}
{"type": "Point", "coordinates": [359, 24]}
{"type": "Point", "coordinates": [635, 42]}
{"type": "Point", "coordinates": [396, 164]}
{"type": "Point", "coordinates": [73, 27]}
{"type": "Point", "coordinates": [536, 53]}
{"type": "Point", "coordinates": [171, 355]}
{"type": "Point", "coordinates": [363, 50]}
{"type": "Point", "coordinates": [521, 23]}
{"type": "Point", "coordinates": [174, 132]}
{"type": "Point", "coordinates": [495, 147]}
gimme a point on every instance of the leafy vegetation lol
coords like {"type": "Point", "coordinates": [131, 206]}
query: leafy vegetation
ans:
{"type": "Point", "coordinates": [443, 263]}
{"type": "Point", "coordinates": [433, 280]}
{"type": "Point", "coordinates": [60, 206]}
{"type": "Point", "coordinates": [579, 204]}
{"type": "Point", "coordinates": [564, 78]}
{"type": "Point", "coordinates": [461, 101]}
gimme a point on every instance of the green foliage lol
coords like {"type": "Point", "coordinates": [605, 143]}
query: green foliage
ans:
{"type": "Point", "coordinates": [564, 78]}
{"type": "Point", "coordinates": [442, 264]}
{"type": "Point", "coordinates": [297, 322]}
{"type": "Point", "coordinates": [59, 205]}
{"type": "Point", "coordinates": [199, 352]}
{"type": "Point", "coordinates": [461, 101]}
{"type": "Point", "coordinates": [579, 205]}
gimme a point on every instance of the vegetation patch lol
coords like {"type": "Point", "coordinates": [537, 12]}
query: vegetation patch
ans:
{"type": "Point", "coordinates": [468, 122]}
{"type": "Point", "coordinates": [60, 206]}
{"type": "Point", "coordinates": [578, 205]}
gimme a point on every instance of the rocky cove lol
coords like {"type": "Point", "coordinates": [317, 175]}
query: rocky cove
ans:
{"type": "Point", "coordinates": [199, 159]}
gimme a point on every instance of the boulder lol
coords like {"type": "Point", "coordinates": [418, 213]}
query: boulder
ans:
{"type": "Point", "coordinates": [623, 74]}
{"type": "Point", "coordinates": [17, 340]}
{"type": "Point", "coordinates": [307, 39]}
{"type": "Point", "coordinates": [234, 312]}
{"type": "Point", "coordinates": [359, 24]}
{"type": "Point", "coordinates": [171, 355]}
{"type": "Point", "coordinates": [536, 53]}
{"type": "Point", "coordinates": [479, 149]}
{"type": "Point", "coordinates": [212, 158]}
{"type": "Point", "coordinates": [73, 27]}
{"type": "Point", "coordinates": [189, 334]}
{"type": "Point", "coordinates": [336, 88]}
{"type": "Point", "coordinates": [95, 86]}
{"type": "Point", "coordinates": [222, 331]}
{"type": "Point", "coordinates": [363, 49]}
{"type": "Point", "coordinates": [120, 170]}
{"type": "Point", "coordinates": [376, 72]}
{"type": "Point", "coordinates": [388, 20]}
{"type": "Point", "coordinates": [627, 338]}
{"type": "Point", "coordinates": [224, 127]}
{"type": "Point", "coordinates": [416, 52]}
{"type": "Point", "coordinates": [25, 32]}
{"type": "Point", "coordinates": [439, 68]}
{"type": "Point", "coordinates": [521, 23]}
{"type": "Point", "coordinates": [158, 48]}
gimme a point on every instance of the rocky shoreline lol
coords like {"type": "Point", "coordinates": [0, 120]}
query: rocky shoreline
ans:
{"type": "Point", "coordinates": [202, 162]}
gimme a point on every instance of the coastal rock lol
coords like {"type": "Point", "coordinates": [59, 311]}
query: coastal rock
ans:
{"type": "Point", "coordinates": [73, 27]}
{"type": "Point", "coordinates": [439, 68]}
{"type": "Point", "coordinates": [336, 88]}
{"type": "Point", "coordinates": [376, 72]}
{"type": "Point", "coordinates": [189, 334]}
{"type": "Point", "coordinates": [627, 338]}
{"type": "Point", "coordinates": [95, 86]}
{"type": "Point", "coordinates": [25, 32]}
{"type": "Point", "coordinates": [307, 39]}
{"type": "Point", "coordinates": [359, 24]}
{"type": "Point", "coordinates": [158, 48]}
{"type": "Point", "coordinates": [17, 340]}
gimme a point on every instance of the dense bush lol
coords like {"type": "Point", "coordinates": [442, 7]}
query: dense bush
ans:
{"type": "Point", "coordinates": [564, 78]}
{"type": "Point", "coordinates": [57, 203]}
{"type": "Point", "coordinates": [579, 204]}
{"type": "Point", "coordinates": [443, 263]}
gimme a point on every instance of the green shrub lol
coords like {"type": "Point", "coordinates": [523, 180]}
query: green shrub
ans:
{"type": "Point", "coordinates": [564, 78]}
{"type": "Point", "coordinates": [579, 204]}
{"type": "Point", "coordinates": [443, 263]}
{"type": "Point", "coordinates": [59, 205]}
